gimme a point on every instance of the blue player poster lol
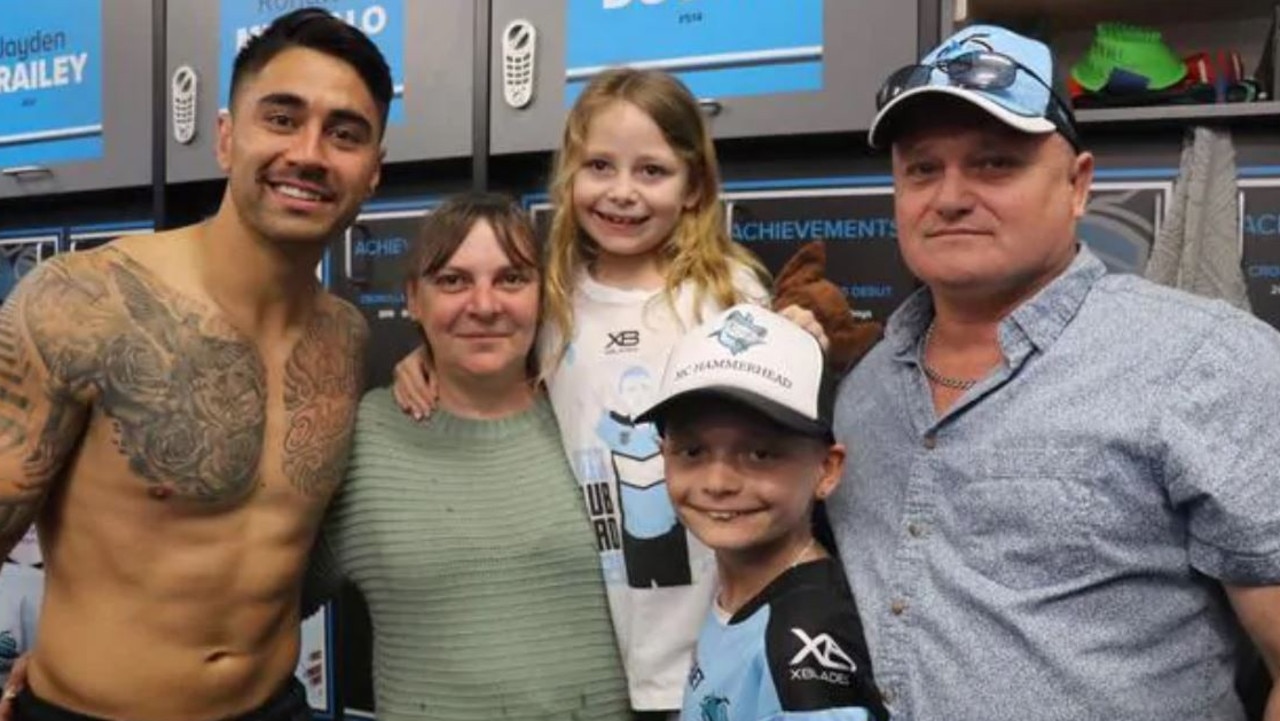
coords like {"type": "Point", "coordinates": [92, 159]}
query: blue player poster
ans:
{"type": "Point", "coordinates": [719, 48]}
{"type": "Point", "coordinates": [50, 81]}
{"type": "Point", "coordinates": [382, 20]}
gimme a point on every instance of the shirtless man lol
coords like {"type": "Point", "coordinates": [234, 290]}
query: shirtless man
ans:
{"type": "Point", "coordinates": [175, 409]}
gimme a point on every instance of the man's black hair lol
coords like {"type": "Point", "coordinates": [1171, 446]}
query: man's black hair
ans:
{"type": "Point", "coordinates": [321, 31]}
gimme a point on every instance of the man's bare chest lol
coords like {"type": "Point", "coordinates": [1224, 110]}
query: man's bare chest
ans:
{"type": "Point", "coordinates": [198, 411]}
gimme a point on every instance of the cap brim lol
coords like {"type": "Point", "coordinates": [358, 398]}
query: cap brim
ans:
{"type": "Point", "coordinates": [1036, 125]}
{"type": "Point", "coordinates": [776, 412]}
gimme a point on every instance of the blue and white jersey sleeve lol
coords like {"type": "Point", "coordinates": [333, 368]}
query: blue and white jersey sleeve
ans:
{"type": "Point", "coordinates": [794, 653]}
{"type": "Point", "coordinates": [818, 662]}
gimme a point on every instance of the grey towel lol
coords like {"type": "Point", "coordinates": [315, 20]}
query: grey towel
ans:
{"type": "Point", "coordinates": [1198, 247]}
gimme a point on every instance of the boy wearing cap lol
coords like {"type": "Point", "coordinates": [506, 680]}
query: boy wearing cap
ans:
{"type": "Point", "coordinates": [749, 453]}
{"type": "Point", "coordinates": [1065, 500]}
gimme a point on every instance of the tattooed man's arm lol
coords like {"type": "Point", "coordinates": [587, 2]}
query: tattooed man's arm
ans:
{"type": "Point", "coordinates": [41, 420]}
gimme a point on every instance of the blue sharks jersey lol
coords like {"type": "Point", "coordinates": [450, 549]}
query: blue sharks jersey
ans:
{"type": "Point", "coordinates": [793, 653]}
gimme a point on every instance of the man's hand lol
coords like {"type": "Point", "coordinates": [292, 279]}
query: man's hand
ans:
{"type": "Point", "coordinates": [414, 390]}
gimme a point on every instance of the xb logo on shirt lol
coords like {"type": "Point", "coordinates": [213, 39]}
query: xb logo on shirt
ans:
{"type": "Point", "coordinates": [622, 340]}
{"type": "Point", "coordinates": [834, 662]}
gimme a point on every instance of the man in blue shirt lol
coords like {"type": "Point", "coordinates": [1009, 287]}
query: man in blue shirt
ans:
{"type": "Point", "coordinates": [1062, 499]}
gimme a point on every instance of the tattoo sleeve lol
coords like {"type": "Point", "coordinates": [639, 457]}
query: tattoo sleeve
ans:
{"type": "Point", "coordinates": [19, 501]}
{"type": "Point", "coordinates": [39, 423]}
{"type": "Point", "coordinates": [15, 397]}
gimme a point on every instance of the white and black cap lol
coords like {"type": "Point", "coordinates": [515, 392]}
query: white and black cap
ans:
{"type": "Point", "coordinates": [754, 357]}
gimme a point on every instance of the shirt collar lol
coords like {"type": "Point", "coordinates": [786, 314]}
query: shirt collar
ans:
{"type": "Point", "coordinates": [1039, 320]}
{"type": "Point", "coordinates": [908, 323]}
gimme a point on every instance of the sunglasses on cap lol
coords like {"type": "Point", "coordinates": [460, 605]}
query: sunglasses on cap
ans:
{"type": "Point", "coordinates": [980, 70]}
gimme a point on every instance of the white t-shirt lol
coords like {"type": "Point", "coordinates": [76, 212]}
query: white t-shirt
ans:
{"type": "Point", "coordinates": [660, 579]}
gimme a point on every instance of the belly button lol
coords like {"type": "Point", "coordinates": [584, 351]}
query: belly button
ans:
{"type": "Point", "coordinates": [160, 493]}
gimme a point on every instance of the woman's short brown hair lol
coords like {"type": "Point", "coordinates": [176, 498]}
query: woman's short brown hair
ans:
{"type": "Point", "coordinates": [449, 224]}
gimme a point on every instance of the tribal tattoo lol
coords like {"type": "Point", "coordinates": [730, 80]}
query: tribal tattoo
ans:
{"type": "Point", "coordinates": [322, 386]}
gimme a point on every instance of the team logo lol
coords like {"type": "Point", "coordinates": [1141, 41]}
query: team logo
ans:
{"type": "Point", "coordinates": [740, 332]}
{"type": "Point", "coordinates": [714, 708]}
{"type": "Point", "coordinates": [955, 46]}
{"type": "Point", "coordinates": [834, 665]}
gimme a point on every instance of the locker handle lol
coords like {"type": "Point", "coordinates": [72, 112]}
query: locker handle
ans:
{"type": "Point", "coordinates": [18, 171]}
{"type": "Point", "coordinates": [710, 106]}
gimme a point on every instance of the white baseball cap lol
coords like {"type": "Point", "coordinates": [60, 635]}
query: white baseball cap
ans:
{"type": "Point", "coordinates": [754, 357]}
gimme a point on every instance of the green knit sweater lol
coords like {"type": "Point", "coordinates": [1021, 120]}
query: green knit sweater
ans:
{"type": "Point", "coordinates": [470, 543]}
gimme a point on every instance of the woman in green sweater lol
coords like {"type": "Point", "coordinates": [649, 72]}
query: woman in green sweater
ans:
{"type": "Point", "coordinates": [466, 534]}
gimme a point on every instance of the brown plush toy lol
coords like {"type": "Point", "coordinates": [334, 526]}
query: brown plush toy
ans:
{"type": "Point", "coordinates": [803, 282]}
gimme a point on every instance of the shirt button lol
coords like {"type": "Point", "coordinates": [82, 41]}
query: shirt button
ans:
{"type": "Point", "coordinates": [915, 529]}
{"type": "Point", "coordinates": [886, 695]}
{"type": "Point", "coordinates": [898, 607]}
{"type": "Point", "coordinates": [930, 441]}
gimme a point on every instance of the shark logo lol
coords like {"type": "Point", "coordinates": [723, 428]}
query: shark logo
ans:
{"type": "Point", "coordinates": [955, 47]}
{"type": "Point", "coordinates": [740, 332]}
{"type": "Point", "coordinates": [714, 708]}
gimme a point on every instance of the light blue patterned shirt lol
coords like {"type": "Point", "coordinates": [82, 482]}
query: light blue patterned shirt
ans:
{"type": "Point", "coordinates": [1053, 547]}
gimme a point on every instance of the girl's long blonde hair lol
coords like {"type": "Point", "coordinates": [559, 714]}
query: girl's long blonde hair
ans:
{"type": "Point", "coordinates": [699, 249]}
